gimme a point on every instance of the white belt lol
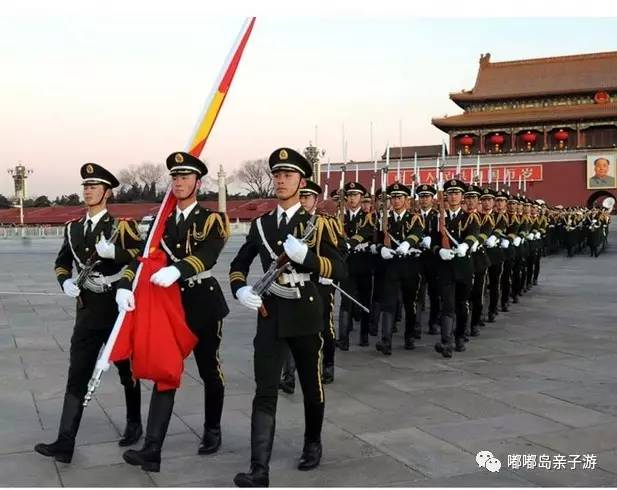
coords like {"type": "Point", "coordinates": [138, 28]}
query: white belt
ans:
{"type": "Point", "coordinates": [293, 278]}
{"type": "Point", "coordinates": [197, 278]}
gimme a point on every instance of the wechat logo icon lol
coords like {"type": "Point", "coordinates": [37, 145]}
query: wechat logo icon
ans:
{"type": "Point", "coordinates": [485, 459]}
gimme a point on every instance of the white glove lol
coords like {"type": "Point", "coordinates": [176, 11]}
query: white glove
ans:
{"type": "Point", "coordinates": [360, 247]}
{"type": "Point", "coordinates": [446, 253]}
{"type": "Point", "coordinates": [70, 289]}
{"type": "Point", "coordinates": [387, 253]}
{"type": "Point", "coordinates": [325, 280]}
{"type": "Point", "coordinates": [248, 298]}
{"type": "Point", "coordinates": [125, 299]}
{"type": "Point", "coordinates": [505, 243]}
{"type": "Point", "coordinates": [491, 241]}
{"type": "Point", "coordinates": [166, 276]}
{"type": "Point", "coordinates": [295, 249]}
{"type": "Point", "coordinates": [403, 248]}
{"type": "Point", "coordinates": [373, 249]}
{"type": "Point", "coordinates": [105, 249]}
{"type": "Point", "coordinates": [461, 249]}
{"type": "Point", "coordinates": [538, 235]}
{"type": "Point", "coordinates": [426, 242]}
{"type": "Point", "coordinates": [517, 241]}
{"type": "Point", "coordinates": [474, 247]}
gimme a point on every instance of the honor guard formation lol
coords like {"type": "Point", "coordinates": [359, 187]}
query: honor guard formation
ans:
{"type": "Point", "coordinates": [473, 250]}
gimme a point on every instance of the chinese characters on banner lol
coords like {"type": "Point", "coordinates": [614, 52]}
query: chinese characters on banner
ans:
{"type": "Point", "coordinates": [502, 173]}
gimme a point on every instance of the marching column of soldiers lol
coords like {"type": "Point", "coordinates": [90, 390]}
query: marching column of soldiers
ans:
{"type": "Point", "coordinates": [382, 253]}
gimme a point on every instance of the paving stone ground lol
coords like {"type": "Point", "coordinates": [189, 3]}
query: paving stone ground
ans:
{"type": "Point", "coordinates": [540, 381]}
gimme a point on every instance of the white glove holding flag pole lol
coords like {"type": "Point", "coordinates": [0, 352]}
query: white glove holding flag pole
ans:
{"type": "Point", "coordinates": [403, 248]}
{"type": "Point", "coordinates": [105, 249]}
{"type": "Point", "coordinates": [461, 249]}
{"type": "Point", "coordinates": [516, 241]}
{"type": "Point", "coordinates": [446, 253]}
{"type": "Point", "coordinates": [538, 235]}
{"type": "Point", "coordinates": [475, 246]}
{"type": "Point", "coordinates": [491, 241]}
{"type": "Point", "coordinates": [373, 249]}
{"type": "Point", "coordinates": [505, 243]}
{"type": "Point", "coordinates": [125, 299]}
{"type": "Point", "coordinates": [295, 249]}
{"type": "Point", "coordinates": [70, 289]}
{"type": "Point", "coordinates": [166, 276]}
{"type": "Point", "coordinates": [248, 298]}
{"type": "Point", "coordinates": [360, 247]}
{"type": "Point", "coordinates": [387, 253]}
{"type": "Point", "coordinates": [426, 242]}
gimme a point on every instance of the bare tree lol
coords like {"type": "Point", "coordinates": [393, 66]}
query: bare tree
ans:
{"type": "Point", "coordinates": [127, 176]}
{"type": "Point", "coordinates": [150, 173]}
{"type": "Point", "coordinates": [255, 177]}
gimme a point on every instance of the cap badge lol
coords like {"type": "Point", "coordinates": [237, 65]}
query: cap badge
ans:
{"type": "Point", "coordinates": [453, 182]}
{"type": "Point", "coordinates": [283, 155]}
{"type": "Point", "coordinates": [179, 158]}
{"type": "Point", "coordinates": [89, 169]}
{"type": "Point", "coordinates": [424, 187]}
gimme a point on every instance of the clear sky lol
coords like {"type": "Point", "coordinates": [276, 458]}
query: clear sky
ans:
{"type": "Point", "coordinates": [124, 84]}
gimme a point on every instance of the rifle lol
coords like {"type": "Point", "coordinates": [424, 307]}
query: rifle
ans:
{"type": "Point", "coordinates": [278, 266]}
{"type": "Point", "coordinates": [89, 266]}
{"type": "Point", "coordinates": [445, 242]}
{"type": "Point", "coordinates": [384, 201]}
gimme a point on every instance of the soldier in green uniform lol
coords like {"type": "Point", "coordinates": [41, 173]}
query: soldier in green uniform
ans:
{"type": "Point", "coordinates": [493, 204]}
{"type": "Point", "coordinates": [479, 256]}
{"type": "Point", "coordinates": [86, 240]}
{"type": "Point", "coordinates": [507, 277]}
{"type": "Point", "coordinates": [429, 217]}
{"type": "Point", "coordinates": [193, 240]}
{"type": "Point", "coordinates": [291, 313]}
{"type": "Point", "coordinates": [401, 267]}
{"type": "Point", "coordinates": [455, 268]}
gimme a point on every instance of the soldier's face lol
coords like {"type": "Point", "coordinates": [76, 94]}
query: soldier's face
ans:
{"type": "Point", "coordinates": [353, 199]}
{"type": "Point", "coordinates": [472, 202]}
{"type": "Point", "coordinates": [287, 184]}
{"type": "Point", "coordinates": [512, 207]}
{"type": "Point", "coordinates": [94, 193]}
{"type": "Point", "coordinates": [500, 205]}
{"type": "Point", "coordinates": [426, 201]}
{"type": "Point", "coordinates": [366, 206]}
{"type": "Point", "coordinates": [308, 201]}
{"type": "Point", "coordinates": [183, 186]}
{"type": "Point", "coordinates": [398, 202]}
{"type": "Point", "coordinates": [455, 198]}
{"type": "Point", "coordinates": [487, 204]}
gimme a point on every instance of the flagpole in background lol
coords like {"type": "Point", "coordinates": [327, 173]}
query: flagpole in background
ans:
{"type": "Point", "coordinates": [196, 144]}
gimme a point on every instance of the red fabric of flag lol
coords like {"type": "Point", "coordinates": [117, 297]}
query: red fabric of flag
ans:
{"type": "Point", "coordinates": [155, 335]}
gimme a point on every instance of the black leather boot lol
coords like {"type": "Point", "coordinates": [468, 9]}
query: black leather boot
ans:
{"type": "Point", "coordinates": [447, 329]}
{"type": "Point", "coordinates": [133, 429]}
{"type": "Point", "coordinates": [149, 456]}
{"type": "Point", "coordinates": [344, 327]}
{"type": "Point", "coordinates": [387, 326]}
{"type": "Point", "coordinates": [311, 455]}
{"type": "Point", "coordinates": [262, 437]}
{"type": "Point", "coordinates": [62, 448]}
{"type": "Point", "coordinates": [211, 440]}
{"type": "Point", "coordinates": [328, 374]}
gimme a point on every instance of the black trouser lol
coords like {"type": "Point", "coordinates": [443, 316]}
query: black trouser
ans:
{"type": "Point", "coordinates": [402, 275]}
{"type": "Point", "coordinates": [477, 296]}
{"type": "Point", "coordinates": [506, 281]}
{"type": "Point", "coordinates": [93, 324]}
{"type": "Point", "coordinates": [329, 335]}
{"type": "Point", "coordinates": [430, 285]}
{"type": "Point", "coordinates": [455, 283]}
{"type": "Point", "coordinates": [494, 286]}
{"type": "Point", "coordinates": [270, 352]}
{"type": "Point", "coordinates": [359, 285]}
{"type": "Point", "coordinates": [516, 276]}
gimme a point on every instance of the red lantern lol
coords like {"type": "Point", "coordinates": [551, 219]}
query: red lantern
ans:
{"type": "Point", "coordinates": [529, 137]}
{"type": "Point", "coordinates": [466, 140]}
{"type": "Point", "coordinates": [497, 139]}
{"type": "Point", "coordinates": [561, 135]}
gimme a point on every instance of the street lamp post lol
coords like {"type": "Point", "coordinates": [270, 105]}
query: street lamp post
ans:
{"type": "Point", "coordinates": [313, 155]}
{"type": "Point", "coordinates": [20, 179]}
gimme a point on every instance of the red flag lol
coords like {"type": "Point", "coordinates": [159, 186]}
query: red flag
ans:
{"type": "Point", "coordinates": [155, 336]}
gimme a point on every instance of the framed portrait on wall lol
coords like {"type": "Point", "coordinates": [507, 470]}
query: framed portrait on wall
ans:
{"type": "Point", "coordinates": [601, 171]}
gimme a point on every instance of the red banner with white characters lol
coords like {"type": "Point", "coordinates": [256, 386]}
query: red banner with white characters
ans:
{"type": "Point", "coordinates": [501, 173]}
